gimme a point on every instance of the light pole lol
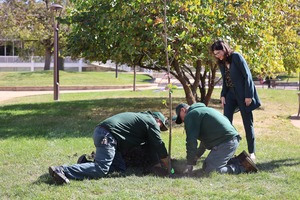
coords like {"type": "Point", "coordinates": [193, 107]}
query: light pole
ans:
{"type": "Point", "coordinates": [56, 9]}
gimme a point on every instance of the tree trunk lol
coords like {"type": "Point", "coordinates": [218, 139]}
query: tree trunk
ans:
{"type": "Point", "coordinates": [202, 88]}
{"type": "Point", "coordinates": [47, 59]}
{"type": "Point", "coordinates": [197, 79]}
{"type": "Point", "coordinates": [189, 96]}
{"type": "Point", "coordinates": [211, 83]}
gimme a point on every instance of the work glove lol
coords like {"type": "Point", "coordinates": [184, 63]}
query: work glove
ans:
{"type": "Point", "coordinates": [165, 162]}
{"type": "Point", "coordinates": [188, 169]}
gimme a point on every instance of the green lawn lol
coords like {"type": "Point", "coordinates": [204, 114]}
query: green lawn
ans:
{"type": "Point", "coordinates": [45, 78]}
{"type": "Point", "coordinates": [36, 132]}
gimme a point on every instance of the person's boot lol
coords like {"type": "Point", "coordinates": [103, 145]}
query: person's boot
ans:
{"type": "Point", "coordinates": [82, 159]}
{"type": "Point", "coordinates": [58, 174]}
{"type": "Point", "coordinates": [86, 158]}
{"type": "Point", "coordinates": [92, 156]}
{"type": "Point", "coordinates": [237, 158]}
{"type": "Point", "coordinates": [242, 155]}
{"type": "Point", "coordinates": [249, 165]}
{"type": "Point", "coordinates": [246, 161]}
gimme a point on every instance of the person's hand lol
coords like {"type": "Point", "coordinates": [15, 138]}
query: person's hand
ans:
{"type": "Point", "coordinates": [165, 162]}
{"type": "Point", "coordinates": [248, 101]}
{"type": "Point", "coordinates": [223, 101]}
{"type": "Point", "coordinates": [188, 169]}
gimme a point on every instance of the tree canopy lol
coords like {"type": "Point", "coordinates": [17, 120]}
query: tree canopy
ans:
{"type": "Point", "coordinates": [131, 32]}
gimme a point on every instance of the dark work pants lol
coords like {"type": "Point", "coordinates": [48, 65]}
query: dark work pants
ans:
{"type": "Point", "coordinates": [232, 102]}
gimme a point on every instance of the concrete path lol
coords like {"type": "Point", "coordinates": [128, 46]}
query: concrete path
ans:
{"type": "Point", "coordinates": [6, 95]}
{"type": "Point", "coordinates": [295, 120]}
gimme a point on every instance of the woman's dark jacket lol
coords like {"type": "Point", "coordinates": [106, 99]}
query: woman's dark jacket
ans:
{"type": "Point", "coordinates": [242, 80]}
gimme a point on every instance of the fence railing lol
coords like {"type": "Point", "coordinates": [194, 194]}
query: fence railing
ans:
{"type": "Point", "coordinates": [15, 63]}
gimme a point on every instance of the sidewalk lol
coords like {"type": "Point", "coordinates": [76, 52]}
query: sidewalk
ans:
{"type": "Point", "coordinates": [295, 120]}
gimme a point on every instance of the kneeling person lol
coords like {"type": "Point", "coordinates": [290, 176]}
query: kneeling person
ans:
{"type": "Point", "coordinates": [114, 136]}
{"type": "Point", "coordinates": [216, 134]}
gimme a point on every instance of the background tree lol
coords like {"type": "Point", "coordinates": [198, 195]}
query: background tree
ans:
{"type": "Point", "coordinates": [31, 22]}
{"type": "Point", "coordinates": [131, 32]}
{"type": "Point", "coordinates": [269, 35]}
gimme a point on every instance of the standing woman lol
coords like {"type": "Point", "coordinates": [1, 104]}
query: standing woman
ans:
{"type": "Point", "coordinates": [238, 91]}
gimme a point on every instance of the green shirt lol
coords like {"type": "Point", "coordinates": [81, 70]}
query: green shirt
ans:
{"type": "Point", "coordinates": [207, 125]}
{"type": "Point", "coordinates": [133, 129]}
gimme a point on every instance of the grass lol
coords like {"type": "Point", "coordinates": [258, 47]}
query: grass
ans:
{"type": "Point", "coordinates": [36, 132]}
{"type": "Point", "coordinates": [287, 78]}
{"type": "Point", "coordinates": [45, 78]}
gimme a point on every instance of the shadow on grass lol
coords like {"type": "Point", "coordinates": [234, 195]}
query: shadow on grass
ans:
{"type": "Point", "coordinates": [270, 166]}
{"type": "Point", "coordinates": [67, 119]}
{"type": "Point", "coordinates": [178, 166]}
{"type": "Point", "coordinates": [44, 178]}
{"type": "Point", "coordinates": [265, 166]}
{"type": "Point", "coordinates": [294, 117]}
{"type": "Point", "coordinates": [72, 118]}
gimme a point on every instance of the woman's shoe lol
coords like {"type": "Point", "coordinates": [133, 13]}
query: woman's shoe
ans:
{"type": "Point", "coordinates": [253, 157]}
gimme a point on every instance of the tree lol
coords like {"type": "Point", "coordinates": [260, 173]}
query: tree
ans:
{"type": "Point", "coordinates": [31, 22]}
{"type": "Point", "coordinates": [131, 32]}
{"type": "Point", "coordinates": [288, 34]}
{"type": "Point", "coordinates": [272, 28]}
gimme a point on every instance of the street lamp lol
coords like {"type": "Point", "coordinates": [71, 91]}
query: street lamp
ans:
{"type": "Point", "coordinates": [56, 9]}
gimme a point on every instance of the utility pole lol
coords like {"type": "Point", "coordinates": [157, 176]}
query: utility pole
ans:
{"type": "Point", "coordinates": [56, 9]}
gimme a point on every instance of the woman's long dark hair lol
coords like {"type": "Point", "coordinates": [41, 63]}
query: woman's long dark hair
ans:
{"type": "Point", "coordinates": [222, 45]}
